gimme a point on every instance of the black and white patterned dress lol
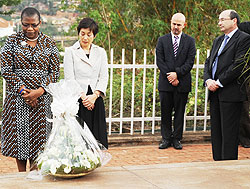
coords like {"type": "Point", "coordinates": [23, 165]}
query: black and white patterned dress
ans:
{"type": "Point", "coordinates": [25, 129]}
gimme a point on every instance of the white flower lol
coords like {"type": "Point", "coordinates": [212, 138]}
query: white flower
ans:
{"type": "Point", "coordinates": [53, 169]}
{"type": "Point", "coordinates": [45, 166]}
{"type": "Point", "coordinates": [23, 43]}
{"type": "Point", "coordinates": [77, 164]}
{"type": "Point", "coordinates": [92, 156]}
{"type": "Point", "coordinates": [67, 169]}
{"type": "Point", "coordinates": [55, 164]}
{"type": "Point", "coordinates": [85, 163]}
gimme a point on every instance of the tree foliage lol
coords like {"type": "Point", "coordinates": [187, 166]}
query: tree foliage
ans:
{"type": "Point", "coordinates": [138, 23]}
{"type": "Point", "coordinates": [8, 3]}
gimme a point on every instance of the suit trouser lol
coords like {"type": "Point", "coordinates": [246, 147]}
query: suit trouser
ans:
{"type": "Point", "coordinates": [225, 120]}
{"type": "Point", "coordinates": [172, 101]}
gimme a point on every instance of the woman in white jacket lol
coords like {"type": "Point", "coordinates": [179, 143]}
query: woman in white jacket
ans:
{"type": "Point", "coordinates": [87, 64]}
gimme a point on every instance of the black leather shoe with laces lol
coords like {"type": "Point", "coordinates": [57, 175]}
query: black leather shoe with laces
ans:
{"type": "Point", "coordinates": [164, 144]}
{"type": "Point", "coordinates": [177, 144]}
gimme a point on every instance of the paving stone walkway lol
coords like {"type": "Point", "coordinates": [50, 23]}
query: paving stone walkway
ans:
{"type": "Point", "coordinates": [146, 155]}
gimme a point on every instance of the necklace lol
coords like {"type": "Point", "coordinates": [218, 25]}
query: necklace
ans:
{"type": "Point", "coordinates": [32, 39]}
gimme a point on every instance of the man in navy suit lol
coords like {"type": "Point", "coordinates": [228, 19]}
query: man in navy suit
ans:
{"type": "Point", "coordinates": [226, 94]}
{"type": "Point", "coordinates": [175, 54]}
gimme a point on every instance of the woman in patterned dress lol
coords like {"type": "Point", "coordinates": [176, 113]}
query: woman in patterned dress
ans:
{"type": "Point", "coordinates": [29, 62]}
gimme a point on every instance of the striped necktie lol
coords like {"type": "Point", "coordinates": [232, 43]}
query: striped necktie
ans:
{"type": "Point", "coordinates": [175, 45]}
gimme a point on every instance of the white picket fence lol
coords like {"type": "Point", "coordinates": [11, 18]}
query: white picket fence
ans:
{"type": "Point", "coordinates": [142, 119]}
{"type": "Point", "coordinates": [153, 118]}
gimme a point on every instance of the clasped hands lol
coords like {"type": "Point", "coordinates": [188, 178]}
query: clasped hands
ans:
{"type": "Point", "coordinates": [88, 101]}
{"type": "Point", "coordinates": [31, 96]}
{"type": "Point", "coordinates": [172, 78]}
{"type": "Point", "coordinates": [212, 85]}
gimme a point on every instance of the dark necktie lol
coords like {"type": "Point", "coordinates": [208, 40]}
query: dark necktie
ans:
{"type": "Point", "coordinates": [175, 45]}
{"type": "Point", "coordinates": [219, 52]}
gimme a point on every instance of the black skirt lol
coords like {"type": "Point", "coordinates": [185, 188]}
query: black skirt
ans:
{"type": "Point", "coordinates": [95, 119]}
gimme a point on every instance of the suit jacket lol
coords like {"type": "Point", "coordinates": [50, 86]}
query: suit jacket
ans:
{"type": "Point", "coordinates": [181, 64]}
{"type": "Point", "coordinates": [86, 71]}
{"type": "Point", "coordinates": [229, 67]}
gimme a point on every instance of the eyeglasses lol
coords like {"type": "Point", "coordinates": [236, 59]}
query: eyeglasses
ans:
{"type": "Point", "coordinates": [223, 19]}
{"type": "Point", "coordinates": [30, 25]}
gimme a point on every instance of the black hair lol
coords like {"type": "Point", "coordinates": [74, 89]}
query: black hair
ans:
{"type": "Point", "coordinates": [245, 27]}
{"type": "Point", "coordinates": [233, 14]}
{"type": "Point", "coordinates": [29, 12]}
{"type": "Point", "coordinates": [88, 23]}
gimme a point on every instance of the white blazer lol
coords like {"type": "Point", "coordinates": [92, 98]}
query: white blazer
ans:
{"type": "Point", "coordinates": [86, 71]}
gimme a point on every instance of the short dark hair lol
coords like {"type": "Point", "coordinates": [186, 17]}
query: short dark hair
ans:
{"type": "Point", "coordinates": [233, 14]}
{"type": "Point", "coordinates": [29, 12]}
{"type": "Point", "coordinates": [245, 27]}
{"type": "Point", "coordinates": [88, 23]}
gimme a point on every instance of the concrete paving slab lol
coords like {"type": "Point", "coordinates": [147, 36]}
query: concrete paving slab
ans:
{"type": "Point", "coordinates": [223, 174]}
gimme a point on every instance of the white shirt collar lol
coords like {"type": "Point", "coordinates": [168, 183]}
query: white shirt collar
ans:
{"type": "Point", "coordinates": [173, 39]}
{"type": "Point", "coordinates": [232, 33]}
{"type": "Point", "coordinates": [176, 35]}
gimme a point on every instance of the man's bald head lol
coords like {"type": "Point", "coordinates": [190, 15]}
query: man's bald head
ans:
{"type": "Point", "coordinates": [179, 16]}
{"type": "Point", "coordinates": [177, 23]}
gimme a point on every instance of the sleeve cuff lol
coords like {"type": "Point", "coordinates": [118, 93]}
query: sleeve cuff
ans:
{"type": "Point", "coordinates": [218, 83]}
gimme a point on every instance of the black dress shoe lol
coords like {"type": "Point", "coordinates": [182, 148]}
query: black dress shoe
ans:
{"type": "Point", "coordinates": [164, 144]}
{"type": "Point", "coordinates": [177, 144]}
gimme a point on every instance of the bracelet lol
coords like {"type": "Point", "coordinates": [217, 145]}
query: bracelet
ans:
{"type": "Point", "coordinates": [22, 90]}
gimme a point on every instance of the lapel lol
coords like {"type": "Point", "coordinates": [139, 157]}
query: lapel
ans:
{"type": "Point", "coordinates": [80, 53]}
{"type": "Point", "coordinates": [170, 41]}
{"type": "Point", "coordinates": [231, 41]}
{"type": "Point", "coordinates": [183, 36]}
{"type": "Point", "coordinates": [217, 47]}
{"type": "Point", "coordinates": [215, 51]}
{"type": "Point", "coordinates": [94, 54]}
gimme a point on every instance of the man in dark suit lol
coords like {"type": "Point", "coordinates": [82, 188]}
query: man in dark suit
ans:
{"type": "Point", "coordinates": [222, 70]}
{"type": "Point", "coordinates": [244, 132]}
{"type": "Point", "coordinates": [175, 53]}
